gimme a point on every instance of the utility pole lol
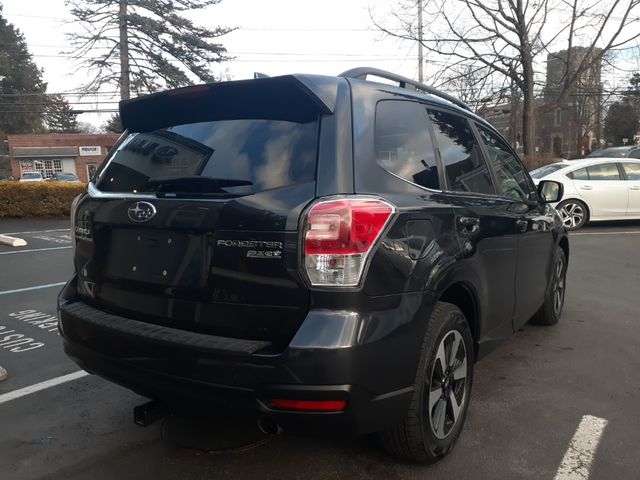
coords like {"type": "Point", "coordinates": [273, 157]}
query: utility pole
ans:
{"type": "Point", "coordinates": [420, 52]}
{"type": "Point", "coordinates": [125, 90]}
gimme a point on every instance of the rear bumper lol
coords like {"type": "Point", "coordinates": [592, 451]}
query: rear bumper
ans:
{"type": "Point", "coordinates": [336, 355]}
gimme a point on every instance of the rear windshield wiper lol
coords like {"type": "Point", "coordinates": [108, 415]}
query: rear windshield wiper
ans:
{"type": "Point", "coordinates": [194, 184]}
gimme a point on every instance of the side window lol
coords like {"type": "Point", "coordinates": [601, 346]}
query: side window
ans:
{"type": "Point", "coordinates": [465, 168]}
{"type": "Point", "coordinates": [403, 144]}
{"type": "Point", "coordinates": [632, 170]}
{"type": "Point", "coordinates": [510, 172]}
{"type": "Point", "coordinates": [634, 154]}
{"type": "Point", "coordinates": [580, 174]}
{"type": "Point", "coordinates": [604, 171]}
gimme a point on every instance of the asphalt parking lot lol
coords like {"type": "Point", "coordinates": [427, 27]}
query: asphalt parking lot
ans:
{"type": "Point", "coordinates": [528, 400]}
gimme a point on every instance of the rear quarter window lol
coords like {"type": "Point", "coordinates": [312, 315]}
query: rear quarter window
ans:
{"type": "Point", "coordinates": [403, 144]}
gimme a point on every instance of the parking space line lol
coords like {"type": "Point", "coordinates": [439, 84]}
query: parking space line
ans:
{"type": "Point", "coordinates": [35, 250]}
{"type": "Point", "coordinates": [21, 392]}
{"type": "Point", "coordinates": [603, 233]}
{"type": "Point", "coordinates": [39, 231]}
{"type": "Point", "coordinates": [576, 462]}
{"type": "Point", "coordinates": [37, 287]}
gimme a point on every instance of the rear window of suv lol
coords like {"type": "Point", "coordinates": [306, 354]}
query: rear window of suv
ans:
{"type": "Point", "coordinates": [235, 157]}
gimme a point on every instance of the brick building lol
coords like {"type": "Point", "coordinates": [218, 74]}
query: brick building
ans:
{"type": "Point", "coordinates": [52, 153]}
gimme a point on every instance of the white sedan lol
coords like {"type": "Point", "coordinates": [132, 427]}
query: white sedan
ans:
{"type": "Point", "coordinates": [595, 189]}
{"type": "Point", "coordinates": [31, 177]}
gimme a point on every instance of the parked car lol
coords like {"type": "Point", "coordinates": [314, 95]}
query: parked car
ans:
{"type": "Point", "coordinates": [31, 177]}
{"type": "Point", "coordinates": [595, 189]}
{"type": "Point", "coordinates": [630, 151]}
{"type": "Point", "coordinates": [332, 252]}
{"type": "Point", "coordinates": [65, 177]}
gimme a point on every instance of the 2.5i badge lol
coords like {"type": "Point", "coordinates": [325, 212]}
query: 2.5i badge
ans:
{"type": "Point", "coordinates": [264, 254]}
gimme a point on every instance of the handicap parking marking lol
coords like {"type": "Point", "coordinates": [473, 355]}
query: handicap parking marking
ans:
{"type": "Point", "coordinates": [576, 463]}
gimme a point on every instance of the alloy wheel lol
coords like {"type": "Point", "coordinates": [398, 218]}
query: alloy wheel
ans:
{"type": "Point", "coordinates": [572, 214]}
{"type": "Point", "coordinates": [558, 287]}
{"type": "Point", "coordinates": [448, 383]}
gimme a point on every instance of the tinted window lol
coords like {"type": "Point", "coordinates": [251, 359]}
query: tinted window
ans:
{"type": "Point", "coordinates": [604, 171]}
{"type": "Point", "coordinates": [237, 156]}
{"type": "Point", "coordinates": [510, 173]}
{"type": "Point", "coordinates": [635, 154]}
{"type": "Point", "coordinates": [403, 144]}
{"type": "Point", "coordinates": [461, 156]}
{"type": "Point", "coordinates": [580, 174]}
{"type": "Point", "coordinates": [632, 170]}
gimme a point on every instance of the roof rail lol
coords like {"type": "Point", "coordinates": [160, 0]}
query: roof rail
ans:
{"type": "Point", "coordinates": [363, 72]}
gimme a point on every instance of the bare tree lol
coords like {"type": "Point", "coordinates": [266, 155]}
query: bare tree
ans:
{"type": "Point", "coordinates": [510, 37]}
{"type": "Point", "coordinates": [144, 45]}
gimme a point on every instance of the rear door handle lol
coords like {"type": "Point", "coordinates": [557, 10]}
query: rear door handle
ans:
{"type": "Point", "coordinates": [586, 187]}
{"type": "Point", "coordinates": [634, 187]}
{"type": "Point", "coordinates": [470, 224]}
{"type": "Point", "coordinates": [522, 225]}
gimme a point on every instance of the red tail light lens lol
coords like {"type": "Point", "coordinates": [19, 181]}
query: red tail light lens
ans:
{"type": "Point", "coordinates": [339, 235]}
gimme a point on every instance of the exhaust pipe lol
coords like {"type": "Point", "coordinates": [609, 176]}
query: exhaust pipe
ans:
{"type": "Point", "coordinates": [268, 426]}
{"type": "Point", "coordinates": [151, 412]}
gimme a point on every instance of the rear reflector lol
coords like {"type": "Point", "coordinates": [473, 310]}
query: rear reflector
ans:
{"type": "Point", "coordinates": [339, 235]}
{"type": "Point", "coordinates": [310, 405]}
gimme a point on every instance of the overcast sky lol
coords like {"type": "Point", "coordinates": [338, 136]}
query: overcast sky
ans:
{"type": "Point", "coordinates": [273, 37]}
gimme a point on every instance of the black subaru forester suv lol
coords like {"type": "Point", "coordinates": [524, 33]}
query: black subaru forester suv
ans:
{"type": "Point", "coordinates": [332, 252]}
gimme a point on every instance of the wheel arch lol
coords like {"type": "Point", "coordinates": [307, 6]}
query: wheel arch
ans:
{"type": "Point", "coordinates": [463, 295]}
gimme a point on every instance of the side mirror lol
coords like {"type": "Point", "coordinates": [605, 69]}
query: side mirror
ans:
{"type": "Point", "coordinates": [550, 191]}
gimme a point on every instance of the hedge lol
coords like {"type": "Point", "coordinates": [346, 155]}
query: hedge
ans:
{"type": "Point", "coordinates": [34, 199]}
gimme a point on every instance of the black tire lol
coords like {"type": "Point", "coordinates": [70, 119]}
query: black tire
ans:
{"type": "Point", "coordinates": [415, 438]}
{"type": "Point", "coordinates": [574, 213]}
{"type": "Point", "coordinates": [551, 309]}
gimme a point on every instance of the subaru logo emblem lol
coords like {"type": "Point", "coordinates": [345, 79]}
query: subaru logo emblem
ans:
{"type": "Point", "coordinates": [141, 211]}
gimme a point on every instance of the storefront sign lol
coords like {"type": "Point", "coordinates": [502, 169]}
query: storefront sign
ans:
{"type": "Point", "coordinates": [87, 151]}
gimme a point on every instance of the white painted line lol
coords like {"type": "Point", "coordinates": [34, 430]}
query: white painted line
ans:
{"type": "Point", "coordinates": [35, 250]}
{"type": "Point", "coordinates": [37, 287]}
{"type": "Point", "coordinates": [7, 397]}
{"type": "Point", "coordinates": [12, 241]}
{"type": "Point", "coordinates": [39, 231]}
{"type": "Point", "coordinates": [571, 234]}
{"type": "Point", "coordinates": [577, 460]}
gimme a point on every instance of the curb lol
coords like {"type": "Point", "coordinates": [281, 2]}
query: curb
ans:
{"type": "Point", "coordinates": [12, 241]}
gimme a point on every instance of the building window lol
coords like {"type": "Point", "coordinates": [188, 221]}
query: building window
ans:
{"type": "Point", "coordinates": [49, 167]}
{"type": "Point", "coordinates": [91, 170]}
{"type": "Point", "coordinates": [557, 117]}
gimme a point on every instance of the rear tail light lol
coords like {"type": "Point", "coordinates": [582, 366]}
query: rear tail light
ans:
{"type": "Point", "coordinates": [339, 236]}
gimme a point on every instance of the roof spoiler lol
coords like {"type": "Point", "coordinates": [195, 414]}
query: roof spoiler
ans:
{"type": "Point", "coordinates": [294, 98]}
